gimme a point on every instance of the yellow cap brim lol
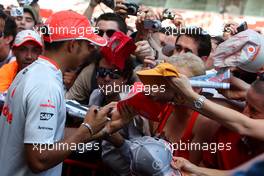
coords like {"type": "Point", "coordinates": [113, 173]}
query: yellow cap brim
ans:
{"type": "Point", "coordinates": [156, 76]}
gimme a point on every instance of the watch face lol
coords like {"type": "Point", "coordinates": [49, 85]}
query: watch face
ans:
{"type": "Point", "coordinates": [198, 104]}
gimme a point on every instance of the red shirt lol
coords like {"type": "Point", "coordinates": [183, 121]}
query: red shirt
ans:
{"type": "Point", "coordinates": [187, 136]}
{"type": "Point", "coordinates": [236, 151]}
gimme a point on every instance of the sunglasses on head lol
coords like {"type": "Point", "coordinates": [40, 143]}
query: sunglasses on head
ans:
{"type": "Point", "coordinates": [108, 32]}
{"type": "Point", "coordinates": [113, 73]}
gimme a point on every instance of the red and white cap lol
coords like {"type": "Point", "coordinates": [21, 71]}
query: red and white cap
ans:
{"type": "Point", "coordinates": [26, 36]}
{"type": "Point", "coordinates": [69, 25]}
{"type": "Point", "coordinates": [244, 50]}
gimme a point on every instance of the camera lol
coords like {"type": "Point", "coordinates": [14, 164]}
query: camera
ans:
{"type": "Point", "coordinates": [24, 2]}
{"type": "Point", "coordinates": [17, 11]}
{"type": "Point", "coordinates": [168, 14]}
{"type": "Point", "coordinates": [132, 8]}
{"type": "Point", "coordinates": [242, 27]}
{"type": "Point", "coordinates": [109, 3]}
{"type": "Point", "coordinates": [154, 25]}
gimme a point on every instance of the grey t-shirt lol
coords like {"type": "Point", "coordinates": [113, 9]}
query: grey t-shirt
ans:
{"type": "Point", "coordinates": [34, 113]}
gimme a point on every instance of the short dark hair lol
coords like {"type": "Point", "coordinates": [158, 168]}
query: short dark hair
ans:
{"type": "Point", "coordinates": [34, 2]}
{"type": "Point", "coordinates": [114, 17]}
{"type": "Point", "coordinates": [202, 38]}
{"type": "Point", "coordinates": [2, 7]}
{"type": "Point", "coordinates": [248, 77]}
{"type": "Point", "coordinates": [218, 39]}
{"type": "Point", "coordinates": [32, 15]}
{"type": "Point", "coordinates": [128, 69]}
{"type": "Point", "coordinates": [10, 26]}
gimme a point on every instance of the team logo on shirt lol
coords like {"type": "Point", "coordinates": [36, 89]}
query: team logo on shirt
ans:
{"type": "Point", "coordinates": [48, 105]}
{"type": "Point", "coordinates": [45, 116]}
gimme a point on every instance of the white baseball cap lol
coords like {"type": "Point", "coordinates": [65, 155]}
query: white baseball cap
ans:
{"type": "Point", "coordinates": [27, 35]}
{"type": "Point", "coordinates": [244, 50]}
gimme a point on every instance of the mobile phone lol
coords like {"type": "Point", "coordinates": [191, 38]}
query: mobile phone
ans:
{"type": "Point", "coordinates": [132, 8]}
{"type": "Point", "coordinates": [242, 27]}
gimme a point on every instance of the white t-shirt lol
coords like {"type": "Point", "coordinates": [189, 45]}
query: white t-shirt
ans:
{"type": "Point", "coordinates": [34, 113]}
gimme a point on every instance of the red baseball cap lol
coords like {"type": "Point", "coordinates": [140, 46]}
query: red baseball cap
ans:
{"type": "Point", "coordinates": [118, 49]}
{"type": "Point", "coordinates": [69, 25]}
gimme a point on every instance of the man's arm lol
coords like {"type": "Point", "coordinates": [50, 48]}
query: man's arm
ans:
{"type": "Point", "coordinates": [191, 169]}
{"type": "Point", "coordinates": [228, 117]}
{"type": "Point", "coordinates": [232, 119]}
{"type": "Point", "coordinates": [90, 9]}
{"type": "Point", "coordinates": [188, 167]}
{"type": "Point", "coordinates": [42, 157]}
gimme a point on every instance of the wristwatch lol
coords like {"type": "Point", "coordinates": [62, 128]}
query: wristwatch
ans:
{"type": "Point", "coordinates": [198, 104]}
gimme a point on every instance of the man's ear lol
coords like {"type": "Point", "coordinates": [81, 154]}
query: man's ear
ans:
{"type": "Point", "coordinates": [204, 58]}
{"type": "Point", "coordinates": [8, 39]}
{"type": "Point", "coordinates": [14, 50]}
{"type": "Point", "coordinates": [70, 46]}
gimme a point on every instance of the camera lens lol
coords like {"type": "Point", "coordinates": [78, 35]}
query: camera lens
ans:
{"type": "Point", "coordinates": [132, 10]}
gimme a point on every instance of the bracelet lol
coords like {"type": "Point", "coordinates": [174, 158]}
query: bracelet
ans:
{"type": "Point", "coordinates": [88, 126]}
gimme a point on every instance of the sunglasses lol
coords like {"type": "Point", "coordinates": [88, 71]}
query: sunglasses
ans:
{"type": "Point", "coordinates": [108, 32]}
{"type": "Point", "coordinates": [113, 73]}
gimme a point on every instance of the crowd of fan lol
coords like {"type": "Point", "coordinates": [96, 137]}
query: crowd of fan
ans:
{"type": "Point", "coordinates": [40, 70]}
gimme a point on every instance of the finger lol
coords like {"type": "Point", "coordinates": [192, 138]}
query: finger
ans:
{"type": "Point", "coordinates": [148, 62]}
{"type": "Point", "coordinates": [142, 17]}
{"type": "Point", "coordinates": [146, 46]}
{"type": "Point", "coordinates": [228, 80]}
{"type": "Point", "coordinates": [66, 74]}
{"type": "Point", "coordinates": [143, 42]}
{"type": "Point", "coordinates": [233, 31]}
{"type": "Point", "coordinates": [144, 51]}
{"type": "Point", "coordinates": [67, 77]}
{"type": "Point", "coordinates": [93, 110]}
{"type": "Point", "coordinates": [121, 6]}
{"type": "Point", "coordinates": [120, 11]}
{"type": "Point", "coordinates": [107, 109]}
{"type": "Point", "coordinates": [140, 50]}
{"type": "Point", "coordinates": [152, 58]}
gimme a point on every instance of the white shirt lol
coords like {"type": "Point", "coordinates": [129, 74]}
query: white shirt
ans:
{"type": "Point", "coordinates": [34, 113]}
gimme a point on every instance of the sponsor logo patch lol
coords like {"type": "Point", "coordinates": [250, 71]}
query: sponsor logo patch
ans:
{"type": "Point", "coordinates": [44, 128]}
{"type": "Point", "coordinates": [46, 116]}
